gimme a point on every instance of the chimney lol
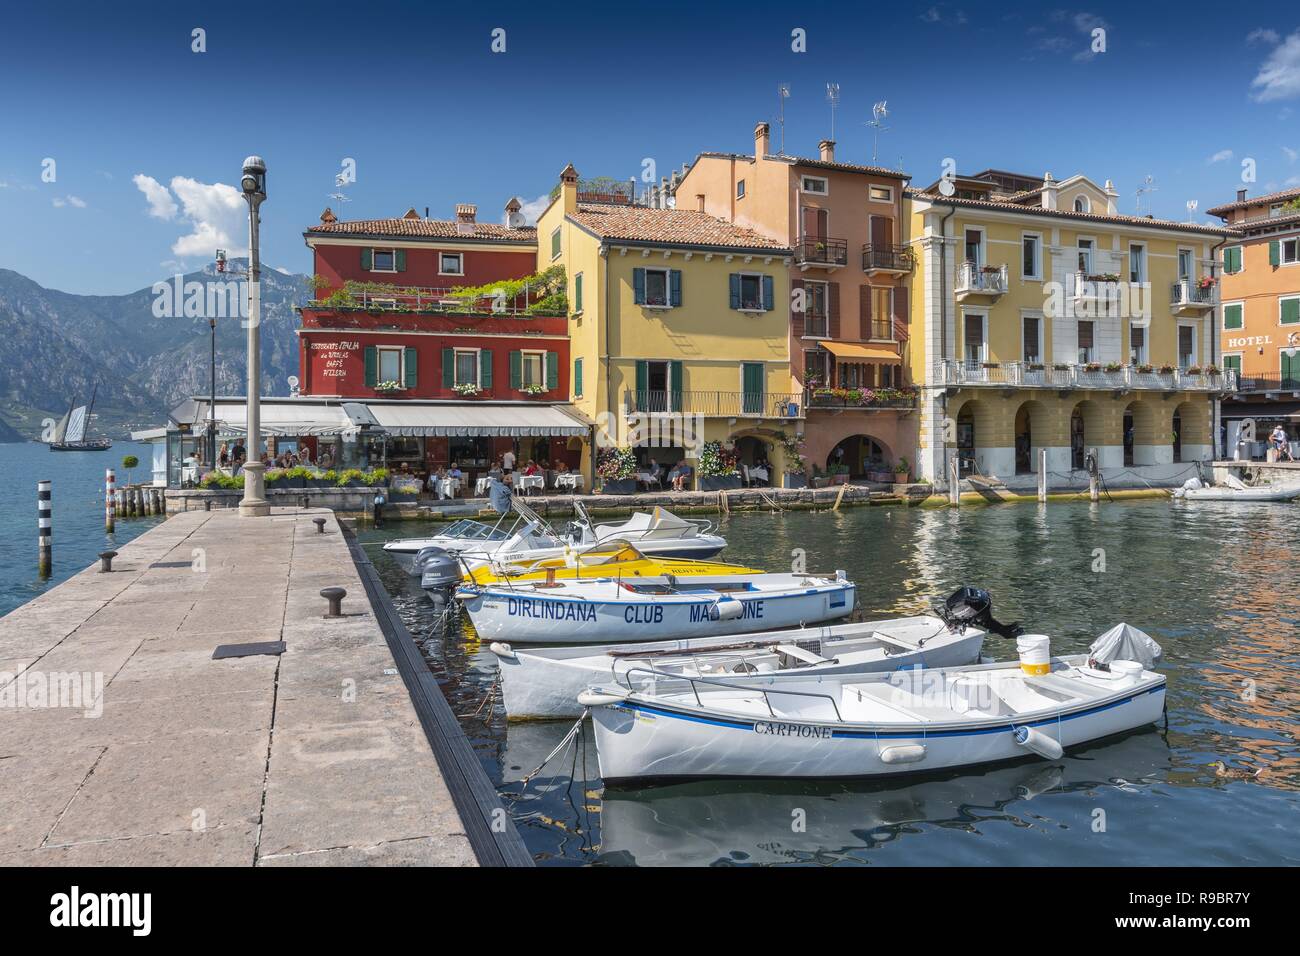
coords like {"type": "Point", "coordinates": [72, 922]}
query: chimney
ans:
{"type": "Point", "coordinates": [827, 148]}
{"type": "Point", "coordinates": [1112, 199]}
{"type": "Point", "coordinates": [328, 216]}
{"type": "Point", "coordinates": [1049, 191]}
{"type": "Point", "coordinates": [411, 214]}
{"type": "Point", "coordinates": [466, 212]}
{"type": "Point", "coordinates": [512, 207]}
{"type": "Point", "coordinates": [699, 202]}
{"type": "Point", "coordinates": [762, 140]}
{"type": "Point", "coordinates": [1241, 195]}
{"type": "Point", "coordinates": [569, 189]}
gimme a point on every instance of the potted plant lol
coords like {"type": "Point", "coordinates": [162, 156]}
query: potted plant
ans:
{"type": "Point", "coordinates": [129, 462]}
{"type": "Point", "coordinates": [1213, 370]}
{"type": "Point", "coordinates": [1114, 367]}
{"type": "Point", "coordinates": [1193, 370]}
{"type": "Point", "coordinates": [718, 470]}
{"type": "Point", "coordinates": [838, 473]}
{"type": "Point", "coordinates": [466, 389]}
{"type": "Point", "coordinates": [1092, 366]}
{"type": "Point", "coordinates": [902, 472]}
{"type": "Point", "coordinates": [350, 478]}
{"type": "Point", "coordinates": [1166, 369]}
{"type": "Point", "coordinates": [819, 479]}
{"type": "Point", "coordinates": [1146, 369]}
{"type": "Point", "coordinates": [534, 389]}
{"type": "Point", "coordinates": [1060, 367]}
{"type": "Point", "coordinates": [389, 387]}
{"type": "Point", "coordinates": [796, 467]}
{"type": "Point", "coordinates": [616, 468]}
{"type": "Point", "coordinates": [1207, 282]}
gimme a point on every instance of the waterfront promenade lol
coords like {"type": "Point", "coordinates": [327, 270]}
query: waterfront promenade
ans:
{"type": "Point", "coordinates": [321, 755]}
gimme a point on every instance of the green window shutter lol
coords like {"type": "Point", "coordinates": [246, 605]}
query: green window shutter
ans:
{"type": "Point", "coordinates": [1274, 253]}
{"type": "Point", "coordinates": [555, 242]}
{"type": "Point", "coordinates": [1290, 370]}
{"type": "Point", "coordinates": [485, 369]}
{"type": "Point", "coordinates": [638, 286]}
{"type": "Point", "coordinates": [410, 360]}
{"type": "Point", "coordinates": [735, 290]}
{"type": "Point", "coordinates": [1232, 363]}
{"type": "Point", "coordinates": [577, 292]}
{"type": "Point", "coordinates": [751, 378]}
{"type": "Point", "coordinates": [448, 368]}
{"type": "Point", "coordinates": [1232, 317]}
{"type": "Point", "coordinates": [516, 370]}
{"type": "Point", "coordinates": [1290, 311]}
{"type": "Point", "coordinates": [676, 376]}
{"type": "Point", "coordinates": [768, 293]}
{"type": "Point", "coordinates": [642, 383]}
{"type": "Point", "coordinates": [577, 377]}
{"type": "Point", "coordinates": [400, 256]}
{"type": "Point", "coordinates": [552, 371]}
{"type": "Point", "coordinates": [1232, 259]}
{"type": "Point", "coordinates": [372, 366]}
{"type": "Point", "coordinates": [675, 287]}
{"type": "Point", "coordinates": [367, 259]}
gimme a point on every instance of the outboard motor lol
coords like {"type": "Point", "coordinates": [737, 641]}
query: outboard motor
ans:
{"type": "Point", "coordinates": [973, 607]}
{"type": "Point", "coordinates": [440, 573]}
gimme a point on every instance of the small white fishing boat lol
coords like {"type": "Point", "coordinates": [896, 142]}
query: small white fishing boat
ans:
{"type": "Point", "coordinates": [656, 725]}
{"type": "Point", "coordinates": [543, 683]}
{"type": "Point", "coordinates": [1234, 489]}
{"type": "Point", "coordinates": [648, 602]}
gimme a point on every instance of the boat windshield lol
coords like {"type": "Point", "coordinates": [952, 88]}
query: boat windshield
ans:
{"type": "Point", "coordinates": [473, 530]}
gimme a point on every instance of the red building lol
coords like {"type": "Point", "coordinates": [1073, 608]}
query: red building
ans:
{"type": "Point", "coordinates": [406, 317]}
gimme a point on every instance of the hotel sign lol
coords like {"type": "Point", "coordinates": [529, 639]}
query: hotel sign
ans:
{"type": "Point", "coordinates": [1248, 340]}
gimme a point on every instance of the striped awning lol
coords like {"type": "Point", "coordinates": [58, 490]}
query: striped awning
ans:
{"type": "Point", "coordinates": [472, 419]}
{"type": "Point", "coordinates": [853, 352]}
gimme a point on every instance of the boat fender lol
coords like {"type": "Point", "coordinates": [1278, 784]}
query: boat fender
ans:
{"type": "Point", "coordinates": [841, 576]}
{"type": "Point", "coordinates": [596, 698]}
{"type": "Point", "coordinates": [726, 609]}
{"type": "Point", "coordinates": [502, 650]}
{"type": "Point", "coordinates": [1038, 742]}
{"type": "Point", "coordinates": [913, 753]}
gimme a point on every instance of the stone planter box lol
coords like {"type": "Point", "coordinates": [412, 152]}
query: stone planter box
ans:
{"type": "Point", "coordinates": [618, 486]}
{"type": "Point", "coordinates": [884, 477]}
{"type": "Point", "coordinates": [719, 482]}
{"type": "Point", "coordinates": [838, 479]}
{"type": "Point", "coordinates": [794, 480]}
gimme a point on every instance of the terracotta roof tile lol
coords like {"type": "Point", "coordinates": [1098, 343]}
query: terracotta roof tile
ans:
{"type": "Point", "coordinates": [679, 227]}
{"type": "Point", "coordinates": [418, 228]}
{"type": "Point", "coordinates": [1280, 196]}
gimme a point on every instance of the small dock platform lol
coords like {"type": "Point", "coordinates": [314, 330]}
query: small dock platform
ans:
{"type": "Point", "coordinates": [124, 742]}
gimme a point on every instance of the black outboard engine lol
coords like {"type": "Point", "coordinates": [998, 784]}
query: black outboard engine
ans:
{"type": "Point", "coordinates": [973, 607]}
{"type": "Point", "coordinates": [440, 572]}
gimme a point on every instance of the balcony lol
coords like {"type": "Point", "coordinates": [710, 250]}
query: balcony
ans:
{"type": "Point", "coordinates": [715, 404]}
{"type": "Point", "coordinates": [882, 330]}
{"type": "Point", "coordinates": [1090, 376]}
{"type": "Point", "coordinates": [1193, 296]}
{"type": "Point", "coordinates": [1100, 291]}
{"type": "Point", "coordinates": [865, 398]}
{"type": "Point", "coordinates": [821, 252]}
{"type": "Point", "coordinates": [1262, 384]}
{"type": "Point", "coordinates": [983, 282]}
{"type": "Point", "coordinates": [887, 260]}
{"type": "Point", "coordinates": [816, 324]}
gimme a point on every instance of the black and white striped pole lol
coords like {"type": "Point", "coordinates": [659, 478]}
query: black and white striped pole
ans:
{"type": "Point", "coordinates": [45, 563]}
{"type": "Point", "coordinates": [110, 502]}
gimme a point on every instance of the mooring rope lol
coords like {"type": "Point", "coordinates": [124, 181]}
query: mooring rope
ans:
{"type": "Point", "coordinates": [561, 746]}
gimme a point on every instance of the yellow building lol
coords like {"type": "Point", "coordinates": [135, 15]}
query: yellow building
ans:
{"type": "Point", "coordinates": [1046, 321]}
{"type": "Point", "coordinates": [678, 326]}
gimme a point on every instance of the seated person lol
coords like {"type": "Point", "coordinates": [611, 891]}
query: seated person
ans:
{"type": "Point", "coordinates": [680, 474]}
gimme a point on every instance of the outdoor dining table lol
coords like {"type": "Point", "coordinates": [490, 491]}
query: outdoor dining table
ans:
{"type": "Point", "coordinates": [758, 474]}
{"type": "Point", "coordinates": [648, 478]}
{"type": "Point", "coordinates": [569, 479]}
{"type": "Point", "coordinates": [446, 487]}
{"type": "Point", "coordinates": [523, 483]}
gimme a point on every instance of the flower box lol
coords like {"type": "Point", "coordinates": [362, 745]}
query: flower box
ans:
{"type": "Point", "coordinates": [719, 482]}
{"type": "Point", "coordinates": [618, 486]}
{"type": "Point", "coordinates": [884, 477]}
{"type": "Point", "coordinates": [794, 480]}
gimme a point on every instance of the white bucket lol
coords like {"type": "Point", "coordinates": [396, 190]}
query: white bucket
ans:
{"type": "Point", "coordinates": [1130, 672]}
{"type": "Point", "coordinates": [1035, 653]}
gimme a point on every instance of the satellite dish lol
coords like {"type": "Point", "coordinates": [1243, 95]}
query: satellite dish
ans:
{"type": "Point", "coordinates": [946, 187]}
{"type": "Point", "coordinates": [516, 220]}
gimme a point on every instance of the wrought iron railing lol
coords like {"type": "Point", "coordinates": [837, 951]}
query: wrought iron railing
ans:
{"type": "Point", "coordinates": [988, 280]}
{"type": "Point", "coordinates": [1030, 375]}
{"type": "Point", "coordinates": [373, 297]}
{"type": "Point", "coordinates": [891, 258]}
{"type": "Point", "coordinates": [715, 404]}
{"type": "Point", "coordinates": [819, 250]}
{"type": "Point", "coordinates": [1191, 292]}
{"type": "Point", "coordinates": [1271, 382]}
{"type": "Point", "coordinates": [864, 397]}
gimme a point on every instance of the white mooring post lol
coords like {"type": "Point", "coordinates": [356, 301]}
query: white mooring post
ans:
{"type": "Point", "coordinates": [1042, 474]}
{"type": "Point", "coordinates": [45, 531]}
{"type": "Point", "coordinates": [954, 481]}
{"type": "Point", "coordinates": [110, 505]}
{"type": "Point", "coordinates": [1094, 486]}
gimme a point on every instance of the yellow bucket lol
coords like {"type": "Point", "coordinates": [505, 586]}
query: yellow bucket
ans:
{"type": "Point", "coordinates": [1034, 670]}
{"type": "Point", "coordinates": [1035, 653]}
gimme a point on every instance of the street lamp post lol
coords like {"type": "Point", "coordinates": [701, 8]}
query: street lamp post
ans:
{"type": "Point", "coordinates": [254, 504]}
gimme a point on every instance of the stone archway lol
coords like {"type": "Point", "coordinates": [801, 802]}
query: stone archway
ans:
{"type": "Point", "coordinates": [895, 433]}
{"type": "Point", "coordinates": [1035, 427]}
{"type": "Point", "coordinates": [982, 436]}
{"type": "Point", "coordinates": [1096, 423]}
{"type": "Point", "coordinates": [862, 454]}
{"type": "Point", "coordinates": [1146, 433]}
{"type": "Point", "coordinates": [1190, 431]}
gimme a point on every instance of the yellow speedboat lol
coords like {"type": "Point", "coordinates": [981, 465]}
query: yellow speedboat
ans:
{"type": "Point", "coordinates": [616, 559]}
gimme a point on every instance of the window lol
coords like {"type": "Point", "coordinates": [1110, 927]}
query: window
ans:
{"type": "Point", "coordinates": [751, 292]}
{"type": "Point", "coordinates": [390, 365]}
{"type": "Point", "coordinates": [1186, 346]}
{"type": "Point", "coordinates": [1289, 310]}
{"type": "Point", "coordinates": [1085, 343]}
{"type": "Point", "coordinates": [466, 367]}
{"type": "Point", "coordinates": [975, 246]}
{"type": "Point", "coordinates": [1232, 260]}
{"type": "Point", "coordinates": [1031, 264]}
{"type": "Point", "coordinates": [881, 193]}
{"type": "Point", "coordinates": [1085, 256]}
{"type": "Point", "coordinates": [577, 378]}
{"type": "Point", "coordinates": [451, 264]}
{"type": "Point", "coordinates": [816, 312]}
{"type": "Point", "coordinates": [1033, 354]}
{"type": "Point", "coordinates": [385, 260]}
{"type": "Point", "coordinates": [1081, 204]}
{"type": "Point", "coordinates": [1233, 315]}
{"type": "Point", "coordinates": [555, 243]}
{"type": "Point", "coordinates": [1137, 262]}
{"type": "Point", "coordinates": [532, 369]}
{"type": "Point", "coordinates": [815, 185]}
{"type": "Point", "coordinates": [577, 293]}
{"type": "Point", "coordinates": [1290, 252]}
{"type": "Point", "coordinates": [1137, 345]}
{"type": "Point", "coordinates": [816, 366]}
{"type": "Point", "coordinates": [1275, 210]}
{"type": "Point", "coordinates": [656, 287]}
{"type": "Point", "coordinates": [1232, 363]}
{"type": "Point", "coordinates": [1184, 263]}
{"type": "Point", "coordinates": [974, 338]}
{"type": "Point", "coordinates": [740, 189]}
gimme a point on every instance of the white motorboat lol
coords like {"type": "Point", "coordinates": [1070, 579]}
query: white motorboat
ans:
{"type": "Point", "coordinates": [656, 725]}
{"type": "Point", "coordinates": [1234, 489]}
{"type": "Point", "coordinates": [651, 603]}
{"type": "Point", "coordinates": [544, 683]}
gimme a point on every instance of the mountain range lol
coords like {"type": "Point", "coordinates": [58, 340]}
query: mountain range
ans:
{"type": "Point", "coordinates": [56, 347]}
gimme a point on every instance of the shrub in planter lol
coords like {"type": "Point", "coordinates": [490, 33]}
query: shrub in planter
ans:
{"type": "Point", "coordinates": [719, 482]}
{"type": "Point", "coordinates": [717, 462]}
{"type": "Point", "coordinates": [351, 478]}
{"type": "Point", "coordinates": [618, 486]}
{"type": "Point", "coordinates": [794, 479]}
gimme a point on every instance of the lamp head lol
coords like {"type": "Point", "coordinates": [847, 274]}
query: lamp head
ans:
{"type": "Point", "coordinates": [254, 180]}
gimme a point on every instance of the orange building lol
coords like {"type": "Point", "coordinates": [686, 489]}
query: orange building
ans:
{"type": "Point", "coordinates": [1260, 317]}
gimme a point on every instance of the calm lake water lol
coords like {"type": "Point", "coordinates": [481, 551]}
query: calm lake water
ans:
{"type": "Point", "coordinates": [1215, 584]}
{"type": "Point", "coordinates": [78, 512]}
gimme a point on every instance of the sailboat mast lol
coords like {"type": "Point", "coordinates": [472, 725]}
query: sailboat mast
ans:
{"type": "Point", "coordinates": [90, 412]}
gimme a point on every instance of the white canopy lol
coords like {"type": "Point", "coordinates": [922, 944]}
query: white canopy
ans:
{"type": "Point", "coordinates": [285, 417]}
{"type": "Point", "coordinates": [475, 418]}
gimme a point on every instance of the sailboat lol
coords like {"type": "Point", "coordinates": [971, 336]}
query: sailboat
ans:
{"type": "Point", "coordinates": [70, 433]}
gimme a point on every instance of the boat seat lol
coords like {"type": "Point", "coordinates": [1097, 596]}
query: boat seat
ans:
{"type": "Point", "coordinates": [800, 654]}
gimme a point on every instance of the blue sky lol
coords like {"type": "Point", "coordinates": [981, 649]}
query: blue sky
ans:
{"type": "Point", "coordinates": [144, 132]}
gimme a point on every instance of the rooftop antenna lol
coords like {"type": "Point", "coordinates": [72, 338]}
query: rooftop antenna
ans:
{"type": "Point", "coordinates": [879, 112]}
{"type": "Point", "coordinates": [1191, 209]}
{"type": "Point", "coordinates": [783, 94]}
{"type": "Point", "coordinates": [340, 180]}
{"type": "Point", "coordinates": [833, 98]}
{"type": "Point", "coordinates": [1148, 186]}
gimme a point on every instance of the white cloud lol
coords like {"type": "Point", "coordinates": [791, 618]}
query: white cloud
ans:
{"type": "Point", "coordinates": [1291, 154]}
{"type": "Point", "coordinates": [535, 207]}
{"type": "Point", "coordinates": [69, 200]}
{"type": "Point", "coordinates": [161, 203]}
{"type": "Point", "coordinates": [1263, 35]}
{"type": "Point", "coordinates": [1221, 156]}
{"type": "Point", "coordinates": [1279, 77]}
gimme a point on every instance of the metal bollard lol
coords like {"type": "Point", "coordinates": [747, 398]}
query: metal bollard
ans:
{"type": "Point", "coordinates": [207, 504]}
{"type": "Point", "coordinates": [335, 596]}
{"type": "Point", "coordinates": [320, 525]}
{"type": "Point", "coordinates": [106, 561]}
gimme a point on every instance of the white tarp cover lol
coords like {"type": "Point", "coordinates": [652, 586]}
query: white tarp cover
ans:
{"type": "Point", "coordinates": [285, 418]}
{"type": "Point", "coordinates": [469, 419]}
{"type": "Point", "coordinates": [1123, 642]}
